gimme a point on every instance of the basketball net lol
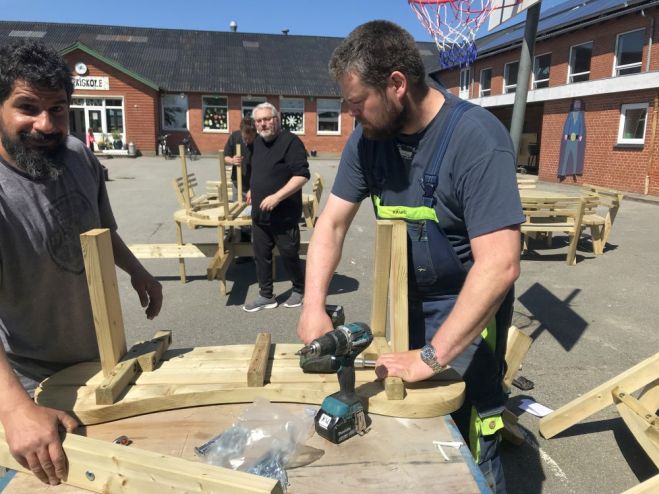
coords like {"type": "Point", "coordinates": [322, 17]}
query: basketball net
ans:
{"type": "Point", "coordinates": [453, 25]}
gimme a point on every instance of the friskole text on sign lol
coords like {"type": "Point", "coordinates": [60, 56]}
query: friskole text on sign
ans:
{"type": "Point", "coordinates": [93, 83]}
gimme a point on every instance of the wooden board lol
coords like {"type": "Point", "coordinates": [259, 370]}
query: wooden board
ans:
{"type": "Point", "coordinates": [395, 456]}
{"type": "Point", "coordinates": [215, 375]}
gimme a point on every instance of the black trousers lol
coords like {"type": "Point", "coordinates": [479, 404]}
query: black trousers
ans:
{"type": "Point", "coordinates": [287, 240]}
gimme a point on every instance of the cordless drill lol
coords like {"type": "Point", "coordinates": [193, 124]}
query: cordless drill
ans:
{"type": "Point", "coordinates": [341, 414]}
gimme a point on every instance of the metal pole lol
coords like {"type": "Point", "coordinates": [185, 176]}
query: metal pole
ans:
{"type": "Point", "coordinates": [523, 74]}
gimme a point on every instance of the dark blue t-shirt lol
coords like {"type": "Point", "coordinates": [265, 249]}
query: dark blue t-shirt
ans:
{"type": "Point", "coordinates": [477, 190]}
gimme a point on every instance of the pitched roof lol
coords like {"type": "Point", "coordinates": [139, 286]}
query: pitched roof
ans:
{"type": "Point", "coordinates": [205, 61]}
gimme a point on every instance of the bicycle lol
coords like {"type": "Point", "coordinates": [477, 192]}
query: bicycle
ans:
{"type": "Point", "coordinates": [191, 152]}
{"type": "Point", "coordinates": [163, 147]}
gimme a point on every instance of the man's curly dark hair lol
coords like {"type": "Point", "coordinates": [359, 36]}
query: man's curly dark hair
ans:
{"type": "Point", "coordinates": [36, 64]}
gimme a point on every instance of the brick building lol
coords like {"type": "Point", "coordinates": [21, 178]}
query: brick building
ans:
{"type": "Point", "coordinates": [141, 82]}
{"type": "Point", "coordinates": [603, 52]}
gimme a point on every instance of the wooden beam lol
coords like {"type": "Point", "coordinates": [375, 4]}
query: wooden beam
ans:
{"type": "Point", "coordinates": [104, 294]}
{"type": "Point", "coordinates": [259, 361]}
{"type": "Point", "coordinates": [99, 466]}
{"type": "Point", "coordinates": [184, 174]}
{"type": "Point", "coordinates": [398, 297]}
{"type": "Point", "coordinates": [149, 353]}
{"type": "Point", "coordinates": [113, 385]}
{"type": "Point", "coordinates": [650, 486]}
{"type": "Point", "coordinates": [381, 277]}
{"type": "Point", "coordinates": [599, 398]}
{"type": "Point", "coordinates": [517, 348]}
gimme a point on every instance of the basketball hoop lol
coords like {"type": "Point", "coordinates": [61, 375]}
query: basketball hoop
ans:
{"type": "Point", "coordinates": [453, 25]}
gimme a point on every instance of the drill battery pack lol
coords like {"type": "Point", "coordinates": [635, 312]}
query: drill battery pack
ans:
{"type": "Point", "coordinates": [339, 418]}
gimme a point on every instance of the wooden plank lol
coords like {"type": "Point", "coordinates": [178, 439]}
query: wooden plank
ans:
{"type": "Point", "coordinates": [184, 175]}
{"type": "Point", "coordinates": [149, 353]}
{"type": "Point", "coordinates": [116, 383]}
{"type": "Point", "coordinates": [394, 387]}
{"type": "Point", "coordinates": [641, 423]}
{"type": "Point", "coordinates": [398, 297]}
{"type": "Point", "coordinates": [517, 347]}
{"type": "Point", "coordinates": [104, 294]}
{"type": "Point", "coordinates": [381, 276]}
{"type": "Point", "coordinates": [169, 251]}
{"type": "Point", "coordinates": [259, 361]}
{"type": "Point", "coordinates": [650, 486]}
{"type": "Point", "coordinates": [599, 398]}
{"type": "Point", "coordinates": [363, 465]}
{"type": "Point", "coordinates": [100, 466]}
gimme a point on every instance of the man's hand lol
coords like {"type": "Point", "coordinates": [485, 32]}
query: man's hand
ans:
{"type": "Point", "coordinates": [406, 365]}
{"type": "Point", "coordinates": [313, 324]}
{"type": "Point", "coordinates": [269, 203]}
{"type": "Point", "coordinates": [32, 434]}
{"type": "Point", "coordinates": [150, 292]}
{"type": "Point", "coordinates": [248, 197]}
{"type": "Point", "coordinates": [237, 160]}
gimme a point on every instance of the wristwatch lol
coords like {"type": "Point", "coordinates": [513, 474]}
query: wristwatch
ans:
{"type": "Point", "coordinates": [429, 356]}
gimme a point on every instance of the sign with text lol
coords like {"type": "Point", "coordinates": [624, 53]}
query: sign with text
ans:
{"type": "Point", "coordinates": [93, 83]}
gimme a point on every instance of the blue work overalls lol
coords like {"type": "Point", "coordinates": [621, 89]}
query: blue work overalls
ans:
{"type": "Point", "coordinates": [436, 275]}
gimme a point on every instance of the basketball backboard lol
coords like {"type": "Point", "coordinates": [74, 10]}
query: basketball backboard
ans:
{"type": "Point", "coordinates": [502, 10]}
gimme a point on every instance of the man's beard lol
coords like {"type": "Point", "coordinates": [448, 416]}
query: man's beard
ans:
{"type": "Point", "coordinates": [389, 129]}
{"type": "Point", "coordinates": [31, 156]}
{"type": "Point", "coordinates": [269, 135]}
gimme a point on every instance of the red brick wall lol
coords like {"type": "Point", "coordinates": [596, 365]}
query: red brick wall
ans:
{"type": "Point", "coordinates": [140, 101]}
{"type": "Point", "coordinates": [605, 163]}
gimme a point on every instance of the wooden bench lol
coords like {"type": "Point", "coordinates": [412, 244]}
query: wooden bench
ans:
{"type": "Point", "coordinates": [526, 181]}
{"type": "Point", "coordinates": [553, 214]}
{"type": "Point", "coordinates": [202, 201]}
{"type": "Point", "coordinates": [598, 200]}
{"type": "Point", "coordinates": [311, 202]}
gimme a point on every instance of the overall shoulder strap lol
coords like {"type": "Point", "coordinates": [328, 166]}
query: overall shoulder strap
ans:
{"type": "Point", "coordinates": [431, 174]}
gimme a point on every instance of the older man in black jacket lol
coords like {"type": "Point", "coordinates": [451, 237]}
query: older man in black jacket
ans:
{"type": "Point", "coordinates": [279, 170]}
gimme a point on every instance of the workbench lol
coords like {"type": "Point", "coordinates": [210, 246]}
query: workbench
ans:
{"type": "Point", "coordinates": [396, 455]}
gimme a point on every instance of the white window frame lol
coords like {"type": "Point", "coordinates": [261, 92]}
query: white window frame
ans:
{"type": "Point", "coordinates": [570, 75]}
{"type": "Point", "coordinates": [623, 116]}
{"type": "Point", "coordinates": [203, 112]}
{"type": "Point", "coordinates": [534, 83]}
{"type": "Point", "coordinates": [616, 67]}
{"type": "Point", "coordinates": [250, 99]}
{"type": "Point", "coordinates": [480, 83]}
{"type": "Point", "coordinates": [103, 107]}
{"type": "Point", "coordinates": [187, 111]}
{"type": "Point", "coordinates": [328, 132]}
{"type": "Point", "coordinates": [465, 76]}
{"type": "Point", "coordinates": [282, 109]}
{"type": "Point", "coordinates": [507, 87]}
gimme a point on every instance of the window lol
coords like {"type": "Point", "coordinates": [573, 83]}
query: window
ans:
{"type": "Point", "coordinates": [115, 119]}
{"type": "Point", "coordinates": [329, 113]}
{"type": "Point", "coordinates": [510, 77]}
{"type": "Point", "coordinates": [174, 111]}
{"type": "Point", "coordinates": [465, 76]}
{"type": "Point", "coordinates": [215, 113]}
{"type": "Point", "coordinates": [541, 66]}
{"type": "Point", "coordinates": [629, 53]}
{"type": "Point", "coordinates": [579, 68]}
{"type": "Point", "coordinates": [486, 82]}
{"type": "Point", "coordinates": [292, 114]}
{"type": "Point", "coordinates": [632, 123]}
{"type": "Point", "coordinates": [249, 103]}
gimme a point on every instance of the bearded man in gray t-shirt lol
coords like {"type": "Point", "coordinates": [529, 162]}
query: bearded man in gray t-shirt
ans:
{"type": "Point", "coordinates": [51, 191]}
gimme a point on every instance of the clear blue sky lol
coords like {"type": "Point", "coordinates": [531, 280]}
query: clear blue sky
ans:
{"type": "Point", "coordinates": [306, 17]}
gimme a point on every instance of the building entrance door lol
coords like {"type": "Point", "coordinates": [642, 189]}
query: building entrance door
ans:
{"type": "Point", "coordinates": [77, 123]}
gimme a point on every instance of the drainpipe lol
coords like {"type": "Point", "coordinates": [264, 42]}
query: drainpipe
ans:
{"type": "Point", "coordinates": [653, 141]}
{"type": "Point", "coordinates": [651, 19]}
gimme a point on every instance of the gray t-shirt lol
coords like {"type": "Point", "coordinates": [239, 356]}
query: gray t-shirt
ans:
{"type": "Point", "coordinates": [46, 321]}
{"type": "Point", "coordinates": [477, 189]}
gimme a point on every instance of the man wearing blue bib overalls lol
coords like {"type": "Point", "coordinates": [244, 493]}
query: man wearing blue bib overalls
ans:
{"type": "Point", "coordinates": [446, 167]}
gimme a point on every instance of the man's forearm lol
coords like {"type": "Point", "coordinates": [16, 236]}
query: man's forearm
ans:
{"type": "Point", "coordinates": [123, 257]}
{"type": "Point", "coordinates": [486, 285]}
{"type": "Point", "coordinates": [323, 257]}
{"type": "Point", "coordinates": [291, 187]}
{"type": "Point", "coordinates": [11, 389]}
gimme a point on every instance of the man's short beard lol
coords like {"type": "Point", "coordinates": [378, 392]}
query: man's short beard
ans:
{"type": "Point", "coordinates": [393, 127]}
{"type": "Point", "coordinates": [37, 161]}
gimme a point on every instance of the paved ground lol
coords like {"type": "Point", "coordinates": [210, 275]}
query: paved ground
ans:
{"type": "Point", "coordinates": [589, 322]}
